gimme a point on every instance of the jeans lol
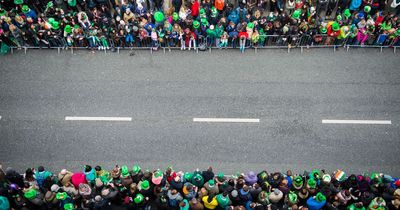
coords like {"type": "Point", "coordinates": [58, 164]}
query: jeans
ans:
{"type": "Point", "coordinates": [242, 44]}
{"type": "Point", "coordinates": [129, 39]}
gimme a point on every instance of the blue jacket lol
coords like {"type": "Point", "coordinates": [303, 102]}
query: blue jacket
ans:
{"type": "Point", "coordinates": [313, 204]}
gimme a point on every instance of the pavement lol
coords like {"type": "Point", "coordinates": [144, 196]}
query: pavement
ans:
{"type": "Point", "coordinates": [290, 94]}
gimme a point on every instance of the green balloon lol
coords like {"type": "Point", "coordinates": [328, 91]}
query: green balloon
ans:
{"type": "Point", "coordinates": [159, 16]}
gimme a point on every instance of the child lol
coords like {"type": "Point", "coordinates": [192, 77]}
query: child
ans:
{"type": "Point", "coordinates": [243, 36]}
{"type": "Point", "coordinates": [224, 40]}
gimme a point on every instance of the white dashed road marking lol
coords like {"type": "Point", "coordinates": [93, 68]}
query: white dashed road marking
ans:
{"type": "Point", "coordinates": [125, 119]}
{"type": "Point", "coordinates": [227, 120]}
{"type": "Point", "coordinates": [374, 122]}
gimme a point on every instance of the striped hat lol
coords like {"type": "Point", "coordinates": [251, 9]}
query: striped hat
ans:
{"type": "Point", "coordinates": [340, 175]}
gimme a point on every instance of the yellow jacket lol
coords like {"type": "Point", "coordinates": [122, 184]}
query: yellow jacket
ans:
{"type": "Point", "coordinates": [210, 205]}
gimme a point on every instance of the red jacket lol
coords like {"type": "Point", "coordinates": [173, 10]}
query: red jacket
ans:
{"type": "Point", "coordinates": [332, 33]}
{"type": "Point", "coordinates": [243, 33]}
{"type": "Point", "coordinates": [195, 8]}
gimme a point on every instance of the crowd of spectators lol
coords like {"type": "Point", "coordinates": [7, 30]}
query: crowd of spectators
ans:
{"type": "Point", "coordinates": [135, 188]}
{"type": "Point", "coordinates": [188, 24]}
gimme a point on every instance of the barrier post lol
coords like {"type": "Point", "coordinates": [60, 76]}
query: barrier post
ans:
{"type": "Point", "coordinates": [164, 49]}
{"type": "Point", "coordinates": [394, 49]}
{"type": "Point", "coordinates": [58, 50]}
{"type": "Point", "coordinates": [72, 50]}
{"type": "Point", "coordinates": [209, 49]}
{"type": "Point", "coordinates": [381, 49]}
{"type": "Point", "coordinates": [347, 48]}
{"type": "Point", "coordinates": [25, 49]}
{"type": "Point", "coordinates": [255, 50]}
{"type": "Point", "coordinates": [151, 50]}
{"type": "Point", "coordinates": [288, 49]}
{"type": "Point", "coordinates": [12, 50]}
{"type": "Point", "coordinates": [118, 49]}
{"type": "Point", "coordinates": [334, 48]}
{"type": "Point", "coordinates": [301, 49]}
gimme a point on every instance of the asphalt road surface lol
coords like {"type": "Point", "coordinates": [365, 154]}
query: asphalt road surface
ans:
{"type": "Point", "coordinates": [290, 94]}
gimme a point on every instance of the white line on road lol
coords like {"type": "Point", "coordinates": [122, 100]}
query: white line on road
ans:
{"type": "Point", "coordinates": [228, 120]}
{"type": "Point", "coordinates": [98, 118]}
{"type": "Point", "coordinates": [376, 122]}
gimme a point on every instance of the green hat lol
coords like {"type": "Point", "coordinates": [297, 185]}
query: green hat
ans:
{"type": "Point", "coordinates": [175, 16]}
{"type": "Point", "coordinates": [50, 4]}
{"type": "Point", "coordinates": [250, 25]}
{"type": "Point", "coordinates": [347, 13]}
{"type": "Point", "coordinates": [354, 207]}
{"type": "Point", "coordinates": [198, 180]}
{"type": "Point", "coordinates": [335, 26]}
{"type": "Point", "coordinates": [221, 176]}
{"type": "Point", "coordinates": [316, 174]}
{"type": "Point", "coordinates": [71, 3]}
{"type": "Point", "coordinates": [320, 197]}
{"type": "Point", "coordinates": [296, 14]}
{"type": "Point", "coordinates": [68, 29]}
{"type": "Point", "coordinates": [298, 182]}
{"type": "Point", "coordinates": [196, 24]}
{"type": "Point", "coordinates": [397, 32]}
{"type": "Point", "coordinates": [139, 198]}
{"type": "Point", "coordinates": [18, 2]}
{"type": "Point", "coordinates": [30, 194]}
{"type": "Point", "coordinates": [69, 206]}
{"type": "Point", "coordinates": [3, 12]}
{"type": "Point", "coordinates": [202, 11]}
{"type": "Point", "coordinates": [211, 182]}
{"type": "Point", "coordinates": [214, 12]}
{"type": "Point", "coordinates": [25, 9]}
{"type": "Point", "coordinates": [61, 195]}
{"type": "Point", "coordinates": [339, 18]}
{"type": "Point", "coordinates": [292, 197]}
{"type": "Point", "coordinates": [105, 177]}
{"type": "Point", "coordinates": [323, 30]}
{"type": "Point", "coordinates": [76, 26]}
{"type": "Point", "coordinates": [375, 176]}
{"type": "Point", "coordinates": [136, 169]}
{"type": "Point", "coordinates": [51, 20]}
{"type": "Point", "coordinates": [55, 25]}
{"type": "Point", "coordinates": [188, 176]}
{"type": "Point", "coordinates": [145, 185]}
{"type": "Point", "coordinates": [367, 9]}
{"type": "Point", "coordinates": [124, 171]}
{"type": "Point", "coordinates": [204, 22]}
{"type": "Point", "coordinates": [159, 17]}
{"type": "Point", "coordinates": [311, 183]}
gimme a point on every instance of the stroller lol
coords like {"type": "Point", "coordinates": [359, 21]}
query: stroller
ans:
{"type": "Point", "coordinates": [202, 43]}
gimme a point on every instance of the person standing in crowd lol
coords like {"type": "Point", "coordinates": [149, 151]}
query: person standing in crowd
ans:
{"type": "Point", "coordinates": [98, 24]}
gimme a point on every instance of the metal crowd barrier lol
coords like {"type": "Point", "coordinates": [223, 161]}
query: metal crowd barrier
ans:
{"type": "Point", "coordinates": [264, 42]}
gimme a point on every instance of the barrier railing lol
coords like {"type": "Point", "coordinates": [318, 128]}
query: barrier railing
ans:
{"type": "Point", "coordinates": [168, 43]}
